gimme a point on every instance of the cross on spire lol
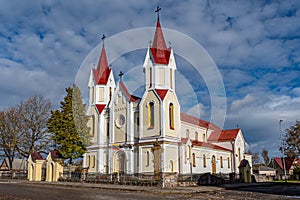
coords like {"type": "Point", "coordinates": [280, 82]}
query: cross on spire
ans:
{"type": "Point", "coordinates": [103, 38]}
{"type": "Point", "coordinates": [121, 74]}
{"type": "Point", "coordinates": [157, 11]}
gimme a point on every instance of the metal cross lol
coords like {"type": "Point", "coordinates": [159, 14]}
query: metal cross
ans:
{"type": "Point", "coordinates": [157, 11]}
{"type": "Point", "coordinates": [103, 37]}
{"type": "Point", "coordinates": [121, 74]}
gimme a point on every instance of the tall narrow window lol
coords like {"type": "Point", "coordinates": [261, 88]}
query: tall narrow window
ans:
{"type": "Point", "coordinates": [187, 133]}
{"type": "Point", "coordinates": [221, 161]}
{"type": "Point", "coordinates": [239, 154]}
{"type": "Point", "coordinates": [150, 77]}
{"type": "Point", "coordinates": [194, 159]}
{"type": "Point", "coordinates": [110, 94]}
{"type": "Point", "coordinates": [196, 136]}
{"type": "Point", "coordinates": [228, 162]}
{"type": "Point", "coordinates": [204, 137]}
{"type": "Point", "coordinates": [92, 95]}
{"type": "Point", "coordinates": [147, 159]}
{"type": "Point", "coordinates": [88, 161]}
{"type": "Point", "coordinates": [171, 166]}
{"type": "Point", "coordinates": [92, 125]}
{"type": "Point", "coordinates": [204, 160]}
{"type": "Point", "coordinates": [171, 116]}
{"type": "Point", "coordinates": [190, 152]}
{"type": "Point", "coordinates": [151, 115]}
{"type": "Point", "coordinates": [171, 79]}
{"type": "Point", "coordinates": [107, 130]}
{"type": "Point", "coordinates": [93, 161]}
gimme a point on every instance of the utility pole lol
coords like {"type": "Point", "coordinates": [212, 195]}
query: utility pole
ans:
{"type": "Point", "coordinates": [282, 149]}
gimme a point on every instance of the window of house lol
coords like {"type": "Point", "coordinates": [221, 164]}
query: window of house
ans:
{"type": "Point", "coordinates": [204, 137]}
{"type": "Point", "coordinates": [221, 161]}
{"type": "Point", "coordinates": [196, 136]}
{"type": "Point", "coordinates": [92, 125]}
{"type": "Point", "coordinates": [110, 94]}
{"type": "Point", "coordinates": [204, 160]}
{"type": "Point", "coordinates": [194, 159]}
{"type": "Point", "coordinates": [190, 151]}
{"type": "Point", "coordinates": [151, 115]}
{"type": "Point", "coordinates": [171, 116]}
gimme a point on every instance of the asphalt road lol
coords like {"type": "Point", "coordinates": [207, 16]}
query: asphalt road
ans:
{"type": "Point", "coordinates": [19, 190]}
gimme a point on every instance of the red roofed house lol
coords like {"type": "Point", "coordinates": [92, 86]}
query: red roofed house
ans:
{"type": "Point", "coordinates": [135, 135]}
{"type": "Point", "coordinates": [288, 164]}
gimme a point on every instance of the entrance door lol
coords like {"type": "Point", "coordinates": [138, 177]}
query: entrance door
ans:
{"type": "Point", "coordinates": [213, 164]}
{"type": "Point", "coordinates": [122, 158]}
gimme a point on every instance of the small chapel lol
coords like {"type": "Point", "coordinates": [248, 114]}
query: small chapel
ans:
{"type": "Point", "coordinates": [149, 134]}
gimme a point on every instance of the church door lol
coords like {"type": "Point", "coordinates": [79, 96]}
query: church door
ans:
{"type": "Point", "coordinates": [122, 158]}
{"type": "Point", "coordinates": [213, 164]}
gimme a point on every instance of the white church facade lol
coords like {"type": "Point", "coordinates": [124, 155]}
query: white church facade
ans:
{"type": "Point", "coordinates": [149, 134]}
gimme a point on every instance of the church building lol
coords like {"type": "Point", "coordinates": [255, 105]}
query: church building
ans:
{"type": "Point", "coordinates": [149, 134]}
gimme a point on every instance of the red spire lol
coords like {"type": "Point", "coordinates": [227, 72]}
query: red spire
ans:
{"type": "Point", "coordinates": [102, 72]}
{"type": "Point", "coordinates": [159, 49]}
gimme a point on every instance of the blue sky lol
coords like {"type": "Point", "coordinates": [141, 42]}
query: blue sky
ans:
{"type": "Point", "coordinates": [255, 44]}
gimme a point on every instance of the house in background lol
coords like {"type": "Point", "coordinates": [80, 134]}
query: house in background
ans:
{"type": "Point", "coordinates": [17, 165]}
{"type": "Point", "coordinates": [290, 164]}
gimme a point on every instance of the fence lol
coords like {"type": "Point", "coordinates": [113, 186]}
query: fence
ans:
{"type": "Point", "coordinates": [13, 175]}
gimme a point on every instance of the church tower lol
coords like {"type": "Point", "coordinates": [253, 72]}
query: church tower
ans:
{"type": "Point", "coordinates": [159, 106]}
{"type": "Point", "coordinates": [101, 87]}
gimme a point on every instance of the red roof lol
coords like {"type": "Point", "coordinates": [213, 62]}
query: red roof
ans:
{"type": "Point", "coordinates": [161, 93]}
{"type": "Point", "coordinates": [159, 49]}
{"type": "Point", "coordinates": [132, 98]}
{"type": "Point", "coordinates": [288, 162]}
{"type": "Point", "coordinates": [102, 72]}
{"type": "Point", "coordinates": [56, 154]}
{"type": "Point", "coordinates": [36, 156]}
{"type": "Point", "coordinates": [225, 135]}
{"type": "Point", "coordinates": [199, 122]}
{"type": "Point", "coordinates": [208, 145]}
{"type": "Point", "coordinates": [100, 107]}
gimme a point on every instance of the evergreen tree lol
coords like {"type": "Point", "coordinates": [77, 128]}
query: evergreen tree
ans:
{"type": "Point", "coordinates": [69, 125]}
{"type": "Point", "coordinates": [292, 141]}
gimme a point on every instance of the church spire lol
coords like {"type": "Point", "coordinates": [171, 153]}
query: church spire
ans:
{"type": "Point", "coordinates": [159, 49]}
{"type": "Point", "coordinates": [102, 72]}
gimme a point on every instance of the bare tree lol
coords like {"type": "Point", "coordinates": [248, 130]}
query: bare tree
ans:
{"type": "Point", "coordinates": [265, 156]}
{"type": "Point", "coordinates": [34, 115]}
{"type": "Point", "coordinates": [255, 157]}
{"type": "Point", "coordinates": [9, 133]}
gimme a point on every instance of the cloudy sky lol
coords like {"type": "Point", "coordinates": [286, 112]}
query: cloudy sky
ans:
{"type": "Point", "coordinates": [255, 45]}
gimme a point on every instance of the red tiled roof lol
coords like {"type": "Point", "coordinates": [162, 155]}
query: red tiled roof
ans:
{"type": "Point", "coordinates": [56, 154]}
{"type": "Point", "coordinates": [36, 156]}
{"type": "Point", "coordinates": [208, 145]}
{"type": "Point", "coordinates": [100, 107]}
{"type": "Point", "coordinates": [161, 93]}
{"type": "Point", "coordinates": [224, 135]}
{"type": "Point", "coordinates": [288, 162]}
{"type": "Point", "coordinates": [159, 49]}
{"type": "Point", "coordinates": [102, 72]}
{"type": "Point", "coordinates": [199, 122]}
{"type": "Point", "coordinates": [132, 98]}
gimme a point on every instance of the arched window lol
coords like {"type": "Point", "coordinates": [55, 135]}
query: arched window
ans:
{"type": "Point", "coordinates": [151, 115]}
{"type": "Point", "coordinates": [171, 116]}
{"type": "Point", "coordinates": [110, 94]}
{"type": "Point", "coordinates": [187, 133]}
{"type": "Point", "coordinates": [88, 161]}
{"type": "Point", "coordinates": [196, 136]}
{"type": "Point", "coordinates": [194, 159]}
{"type": "Point", "coordinates": [92, 94]}
{"type": "Point", "coordinates": [93, 161]}
{"type": "Point", "coordinates": [147, 158]}
{"type": "Point", "coordinates": [204, 137]}
{"type": "Point", "coordinates": [190, 151]}
{"type": "Point", "coordinates": [92, 125]}
{"type": "Point", "coordinates": [221, 161]}
{"type": "Point", "coordinates": [239, 154]}
{"type": "Point", "coordinates": [204, 160]}
{"type": "Point", "coordinates": [228, 162]}
{"type": "Point", "coordinates": [171, 166]}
